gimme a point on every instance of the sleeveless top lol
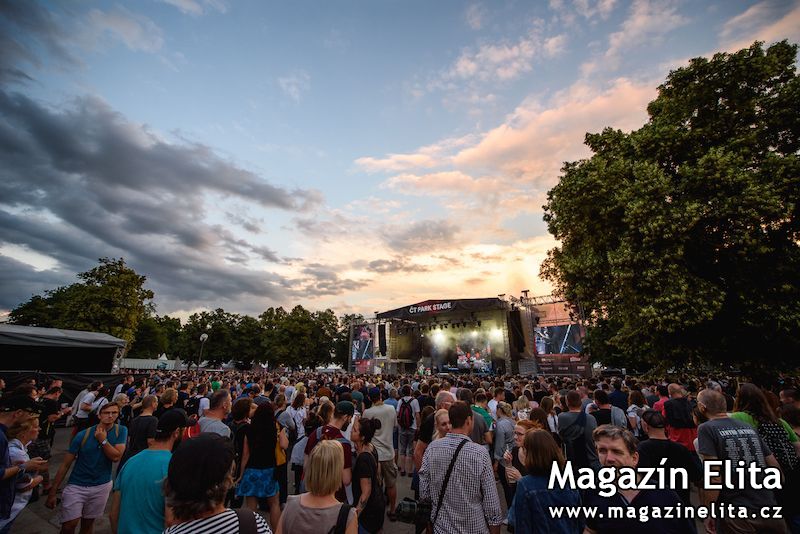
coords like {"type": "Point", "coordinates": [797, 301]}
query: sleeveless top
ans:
{"type": "Point", "coordinates": [299, 519]}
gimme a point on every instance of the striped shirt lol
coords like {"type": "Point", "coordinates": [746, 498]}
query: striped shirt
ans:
{"type": "Point", "coordinates": [226, 522]}
{"type": "Point", "coordinates": [470, 502]}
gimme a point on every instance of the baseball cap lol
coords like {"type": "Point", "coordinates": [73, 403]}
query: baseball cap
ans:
{"type": "Point", "coordinates": [13, 403]}
{"type": "Point", "coordinates": [171, 420]}
{"type": "Point", "coordinates": [345, 407]}
{"type": "Point", "coordinates": [199, 464]}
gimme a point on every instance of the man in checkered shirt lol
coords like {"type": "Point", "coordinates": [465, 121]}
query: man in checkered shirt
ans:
{"type": "Point", "coordinates": [471, 504]}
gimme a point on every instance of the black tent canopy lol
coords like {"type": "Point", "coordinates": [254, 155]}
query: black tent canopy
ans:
{"type": "Point", "coordinates": [33, 348]}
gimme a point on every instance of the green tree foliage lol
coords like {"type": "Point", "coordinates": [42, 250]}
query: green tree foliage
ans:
{"type": "Point", "coordinates": [680, 239]}
{"type": "Point", "coordinates": [111, 298]}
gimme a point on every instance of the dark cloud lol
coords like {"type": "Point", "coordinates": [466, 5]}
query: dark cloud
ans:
{"type": "Point", "coordinates": [395, 265]}
{"type": "Point", "coordinates": [26, 26]}
{"type": "Point", "coordinates": [248, 223]}
{"type": "Point", "coordinates": [80, 183]}
{"type": "Point", "coordinates": [26, 282]}
{"type": "Point", "coordinates": [422, 236]}
{"type": "Point", "coordinates": [324, 280]}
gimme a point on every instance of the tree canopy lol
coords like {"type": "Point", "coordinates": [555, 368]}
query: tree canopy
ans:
{"type": "Point", "coordinates": [680, 240]}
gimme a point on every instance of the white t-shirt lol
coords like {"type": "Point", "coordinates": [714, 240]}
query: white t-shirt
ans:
{"type": "Point", "coordinates": [89, 399]}
{"type": "Point", "coordinates": [493, 408]}
{"type": "Point", "coordinates": [203, 406]}
{"type": "Point", "coordinates": [414, 409]}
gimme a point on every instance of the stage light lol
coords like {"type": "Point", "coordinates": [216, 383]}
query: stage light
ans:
{"type": "Point", "coordinates": [438, 336]}
{"type": "Point", "coordinates": [474, 333]}
{"type": "Point", "coordinates": [497, 333]}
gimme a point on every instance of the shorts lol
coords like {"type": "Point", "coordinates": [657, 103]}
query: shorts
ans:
{"type": "Point", "coordinates": [258, 483]}
{"type": "Point", "coordinates": [389, 473]}
{"type": "Point", "coordinates": [405, 441]}
{"type": "Point", "coordinates": [88, 502]}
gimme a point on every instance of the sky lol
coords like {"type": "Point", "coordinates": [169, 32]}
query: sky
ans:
{"type": "Point", "coordinates": [353, 155]}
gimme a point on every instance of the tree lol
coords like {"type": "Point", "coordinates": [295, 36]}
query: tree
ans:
{"type": "Point", "coordinates": [342, 339]}
{"type": "Point", "coordinates": [111, 298]}
{"type": "Point", "coordinates": [680, 239]}
{"type": "Point", "coordinates": [150, 340]}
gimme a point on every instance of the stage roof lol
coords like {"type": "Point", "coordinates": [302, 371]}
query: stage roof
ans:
{"type": "Point", "coordinates": [431, 308]}
{"type": "Point", "coordinates": [11, 334]}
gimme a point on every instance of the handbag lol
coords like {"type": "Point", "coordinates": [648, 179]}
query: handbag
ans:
{"type": "Point", "coordinates": [419, 512]}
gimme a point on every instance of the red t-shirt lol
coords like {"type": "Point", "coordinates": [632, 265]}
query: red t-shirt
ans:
{"type": "Point", "coordinates": [331, 432]}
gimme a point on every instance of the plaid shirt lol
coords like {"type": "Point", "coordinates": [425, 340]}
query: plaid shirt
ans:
{"type": "Point", "coordinates": [470, 503]}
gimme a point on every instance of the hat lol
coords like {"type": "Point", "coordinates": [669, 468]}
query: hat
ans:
{"type": "Point", "coordinates": [199, 464]}
{"type": "Point", "coordinates": [171, 420]}
{"type": "Point", "coordinates": [345, 407]}
{"type": "Point", "coordinates": [13, 403]}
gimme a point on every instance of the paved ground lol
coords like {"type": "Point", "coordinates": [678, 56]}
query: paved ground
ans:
{"type": "Point", "coordinates": [36, 518]}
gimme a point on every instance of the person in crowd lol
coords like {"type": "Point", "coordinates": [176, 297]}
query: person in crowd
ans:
{"type": "Point", "coordinates": [663, 396]}
{"type": "Point", "coordinates": [678, 414]}
{"type": "Point", "coordinates": [751, 407]}
{"type": "Point", "coordinates": [125, 409]}
{"type": "Point", "coordinates": [724, 438]}
{"type": "Point", "coordinates": [41, 446]}
{"type": "Point", "coordinates": [123, 386]}
{"type": "Point", "coordinates": [441, 419]}
{"type": "Point", "coordinates": [297, 459]}
{"type": "Point", "coordinates": [605, 413]}
{"type": "Point", "coordinates": [658, 446]}
{"type": "Point", "coordinates": [199, 476]}
{"type": "Point", "coordinates": [575, 429]}
{"type": "Point", "coordinates": [137, 503]}
{"type": "Point", "coordinates": [408, 421]}
{"type": "Point", "coordinates": [789, 396]}
{"type": "Point", "coordinates": [504, 432]}
{"type": "Point", "coordinates": [20, 434]}
{"type": "Point", "coordinates": [481, 407]}
{"type": "Point", "coordinates": [259, 461]}
{"type": "Point", "coordinates": [298, 413]}
{"type": "Point", "coordinates": [383, 443]}
{"type": "Point", "coordinates": [634, 413]}
{"type": "Point", "coordinates": [548, 405]}
{"type": "Point", "coordinates": [342, 418]}
{"type": "Point", "coordinates": [481, 432]}
{"type": "Point", "coordinates": [325, 410]}
{"type": "Point", "coordinates": [142, 430]}
{"type": "Point", "coordinates": [513, 464]}
{"type": "Point", "coordinates": [368, 494]}
{"type": "Point", "coordinates": [166, 402]}
{"type": "Point", "coordinates": [522, 407]}
{"type": "Point", "coordinates": [319, 510]}
{"type": "Point", "coordinates": [499, 396]}
{"type": "Point", "coordinates": [83, 406]}
{"type": "Point", "coordinates": [214, 416]}
{"type": "Point", "coordinates": [617, 397]}
{"type": "Point", "coordinates": [467, 502]}
{"type": "Point", "coordinates": [616, 447]}
{"type": "Point", "coordinates": [100, 400]}
{"type": "Point", "coordinates": [530, 511]}
{"type": "Point", "coordinates": [93, 451]}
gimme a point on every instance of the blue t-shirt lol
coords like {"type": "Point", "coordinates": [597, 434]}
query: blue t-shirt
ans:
{"type": "Point", "coordinates": [92, 466]}
{"type": "Point", "coordinates": [142, 504]}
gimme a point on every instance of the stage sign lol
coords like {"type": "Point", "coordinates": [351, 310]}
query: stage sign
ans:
{"type": "Point", "coordinates": [363, 347]}
{"type": "Point", "coordinates": [434, 307]}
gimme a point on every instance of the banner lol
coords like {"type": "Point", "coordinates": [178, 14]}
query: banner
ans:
{"type": "Point", "coordinates": [363, 347]}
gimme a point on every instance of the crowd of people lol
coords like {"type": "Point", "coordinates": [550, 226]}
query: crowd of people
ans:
{"type": "Point", "coordinates": [209, 452]}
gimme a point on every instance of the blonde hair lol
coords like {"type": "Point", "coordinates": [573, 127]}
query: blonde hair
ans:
{"type": "Point", "coordinates": [439, 413]}
{"type": "Point", "coordinates": [22, 427]}
{"type": "Point", "coordinates": [324, 468]}
{"type": "Point", "coordinates": [505, 408]}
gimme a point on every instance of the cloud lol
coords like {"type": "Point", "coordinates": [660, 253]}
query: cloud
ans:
{"type": "Point", "coordinates": [137, 32]}
{"type": "Point", "coordinates": [422, 236]}
{"type": "Point", "coordinates": [295, 84]}
{"type": "Point", "coordinates": [25, 27]}
{"type": "Point", "coordinates": [395, 265]}
{"type": "Point", "coordinates": [441, 183]}
{"type": "Point", "coordinates": [495, 61]}
{"type": "Point", "coordinates": [432, 155]}
{"type": "Point", "coordinates": [195, 7]}
{"type": "Point", "coordinates": [589, 10]}
{"type": "Point", "coordinates": [81, 182]}
{"type": "Point", "coordinates": [537, 137]}
{"type": "Point", "coordinates": [324, 280]}
{"type": "Point", "coordinates": [767, 21]}
{"type": "Point", "coordinates": [475, 15]}
{"type": "Point", "coordinates": [555, 46]}
{"type": "Point", "coordinates": [647, 23]}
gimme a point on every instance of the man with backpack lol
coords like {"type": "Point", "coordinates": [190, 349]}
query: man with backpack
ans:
{"type": "Point", "coordinates": [342, 417]}
{"type": "Point", "coordinates": [93, 451]}
{"type": "Point", "coordinates": [408, 415]}
{"type": "Point", "coordinates": [575, 428]}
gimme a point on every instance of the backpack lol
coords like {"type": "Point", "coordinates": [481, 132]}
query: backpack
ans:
{"type": "Point", "coordinates": [575, 449]}
{"type": "Point", "coordinates": [405, 415]}
{"type": "Point", "coordinates": [192, 431]}
{"type": "Point", "coordinates": [92, 429]}
{"type": "Point", "coordinates": [193, 406]}
{"type": "Point", "coordinates": [774, 435]}
{"type": "Point", "coordinates": [341, 440]}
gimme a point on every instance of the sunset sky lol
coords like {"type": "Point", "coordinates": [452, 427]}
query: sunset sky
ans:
{"type": "Point", "coordinates": [357, 155]}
